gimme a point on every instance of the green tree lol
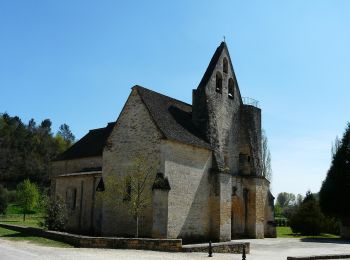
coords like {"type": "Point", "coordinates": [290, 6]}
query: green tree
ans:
{"type": "Point", "coordinates": [27, 196]}
{"type": "Point", "coordinates": [66, 134]}
{"type": "Point", "coordinates": [26, 150]}
{"type": "Point", "coordinates": [308, 218]}
{"type": "Point", "coordinates": [335, 189]}
{"type": "Point", "coordinates": [285, 199]}
{"type": "Point", "coordinates": [278, 211]}
{"type": "Point", "coordinates": [133, 189]}
{"type": "Point", "coordinates": [3, 200]}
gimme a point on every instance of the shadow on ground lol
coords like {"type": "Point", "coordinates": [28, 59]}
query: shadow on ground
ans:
{"type": "Point", "coordinates": [17, 234]}
{"type": "Point", "coordinates": [326, 240]}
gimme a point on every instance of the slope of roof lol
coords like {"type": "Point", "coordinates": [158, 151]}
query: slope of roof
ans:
{"type": "Point", "coordinates": [91, 144]}
{"type": "Point", "coordinates": [172, 117]}
{"type": "Point", "coordinates": [212, 64]}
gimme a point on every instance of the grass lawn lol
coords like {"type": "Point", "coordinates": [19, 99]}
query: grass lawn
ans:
{"type": "Point", "coordinates": [287, 232]}
{"type": "Point", "coordinates": [14, 216]}
{"type": "Point", "coordinates": [19, 236]}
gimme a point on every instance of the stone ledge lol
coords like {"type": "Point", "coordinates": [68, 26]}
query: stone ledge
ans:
{"type": "Point", "coordinates": [166, 245]}
{"type": "Point", "coordinates": [220, 247]}
{"type": "Point", "coordinates": [316, 257]}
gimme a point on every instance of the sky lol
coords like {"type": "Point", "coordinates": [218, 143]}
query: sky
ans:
{"type": "Point", "coordinates": [76, 61]}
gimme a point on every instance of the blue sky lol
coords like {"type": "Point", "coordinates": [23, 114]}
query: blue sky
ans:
{"type": "Point", "coordinates": [75, 62]}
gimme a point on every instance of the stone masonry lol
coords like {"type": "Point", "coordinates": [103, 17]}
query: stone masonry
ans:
{"type": "Point", "coordinates": [207, 182]}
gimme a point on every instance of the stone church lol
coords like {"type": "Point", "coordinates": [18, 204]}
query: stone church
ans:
{"type": "Point", "coordinates": [209, 155]}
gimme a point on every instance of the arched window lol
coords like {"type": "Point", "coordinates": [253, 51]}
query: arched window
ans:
{"type": "Point", "coordinates": [231, 88]}
{"type": "Point", "coordinates": [218, 82]}
{"type": "Point", "coordinates": [225, 65]}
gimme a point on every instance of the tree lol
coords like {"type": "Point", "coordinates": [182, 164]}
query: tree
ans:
{"type": "Point", "coordinates": [133, 189]}
{"type": "Point", "coordinates": [335, 146]}
{"type": "Point", "coordinates": [308, 219]}
{"type": "Point", "coordinates": [66, 134]}
{"type": "Point", "coordinates": [26, 150]}
{"type": "Point", "coordinates": [335, 189]}
{"type": "Point", "coordinates": [285, 199]}
{"type": "Point", "coordinates": [266, 157]}
{"type": "Point", "coordinates": [3, 200]}
{"type": "Point", "coordinates": [27, 196]}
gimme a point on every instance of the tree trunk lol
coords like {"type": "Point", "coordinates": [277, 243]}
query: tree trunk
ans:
{"type": "Point", "coordinates": [24, 215]}
{"type": "Point", "coordinates": [137, 226]}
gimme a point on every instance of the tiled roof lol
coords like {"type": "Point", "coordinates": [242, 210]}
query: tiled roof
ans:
{"type": "Point", "coordinates": [90, 145]}
{"type": "Point", "coordinates": [172, 117]}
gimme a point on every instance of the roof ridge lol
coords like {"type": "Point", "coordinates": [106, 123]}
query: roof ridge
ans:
{"type": "Point", "coordinates": [147, 89]}
{"type": "Point", "coordinates": [100, 128]}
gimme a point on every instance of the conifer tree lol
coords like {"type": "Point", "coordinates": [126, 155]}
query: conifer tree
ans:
{"type": "Point", "coordinates": [335, 190]}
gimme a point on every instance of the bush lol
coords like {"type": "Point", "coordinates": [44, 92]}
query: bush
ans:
{"type": "Point", "coordinates": [331, 226]}
{"type": "Point", "coordinates": [55, 214]}
{"type": "Point", "coordinates": [3, 200]}
{"type": "Point", "coordinates": [308, 219]}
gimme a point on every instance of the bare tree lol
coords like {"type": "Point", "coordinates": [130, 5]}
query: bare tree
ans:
{"type": "Point", "coordinates": [133, 189]}
{"type": "Point", "coordinates": [335, 146]}
{"type": "Point", "coordinates": [266, 157]}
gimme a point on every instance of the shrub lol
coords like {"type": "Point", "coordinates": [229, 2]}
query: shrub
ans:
{"type": "Point", "coordinates": [3, 200]}
{"type": "Point", "coordinates": [55, 214]}
{"type": "Point", "coordinates": [308, 219]}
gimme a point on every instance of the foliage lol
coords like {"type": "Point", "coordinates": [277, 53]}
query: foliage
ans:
{"type": "Point", "coordinates": [278, 210]}
{"type": "Point", "coordinates": [55, 214]}
{"type": "Point", "coordinates": [64, 138]}
{"type": "Point", "coordinates": [133, 188]}
{"type": "Point", "coordinates": [286, 232]}
{"type": "Point", "coordinates": [27, 196]}
{"type": "Point", "coordinates": [335, 190]}
{"type": "Point", "coordinates": [308, 219]}
{"type": "Point", "coordinates": [285, 199]}
{"type": "Point", "coordinates": [26, 150]}
{"type": "Point", "coordinates": [3, 200]}
{"type": "Point", "coordinates": [11, 196]}
{"type": "Point", "coordinates": [266, 158]}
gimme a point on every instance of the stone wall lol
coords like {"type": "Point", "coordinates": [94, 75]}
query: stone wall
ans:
{"type": "Point", "coordinates": [221, 247]}
{"type": "Point", "coordinates": [82, 209]}
{"type": "Point", "coordinates": [250, 210]}
{"type": "Point", "coordinates": [134, 135]}
{"type": "Point", "coordinates": [218, 116]}
{"type": "Point", "coordinates": [187, 169]}
{"type": "Point", "coordinates": [160, 213]}
{"type": "Point", "coordinates": [270, 225]}
{"type": "Point", "coordinates": [168, 245]}
{"type": "Point", "coordinates": [70, 166]}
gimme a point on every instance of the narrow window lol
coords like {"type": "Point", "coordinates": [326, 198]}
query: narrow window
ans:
{"type": "Point", "coordinates": [71, 196]}
{"type": "Point", "coordinates": [225, 65]}
{"type": "Point", "coordinates": [218, 82]}
{"type": "Point", "coordinates": [231, 88]}
{"type": "Point", "coordinates": [127, 193]}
